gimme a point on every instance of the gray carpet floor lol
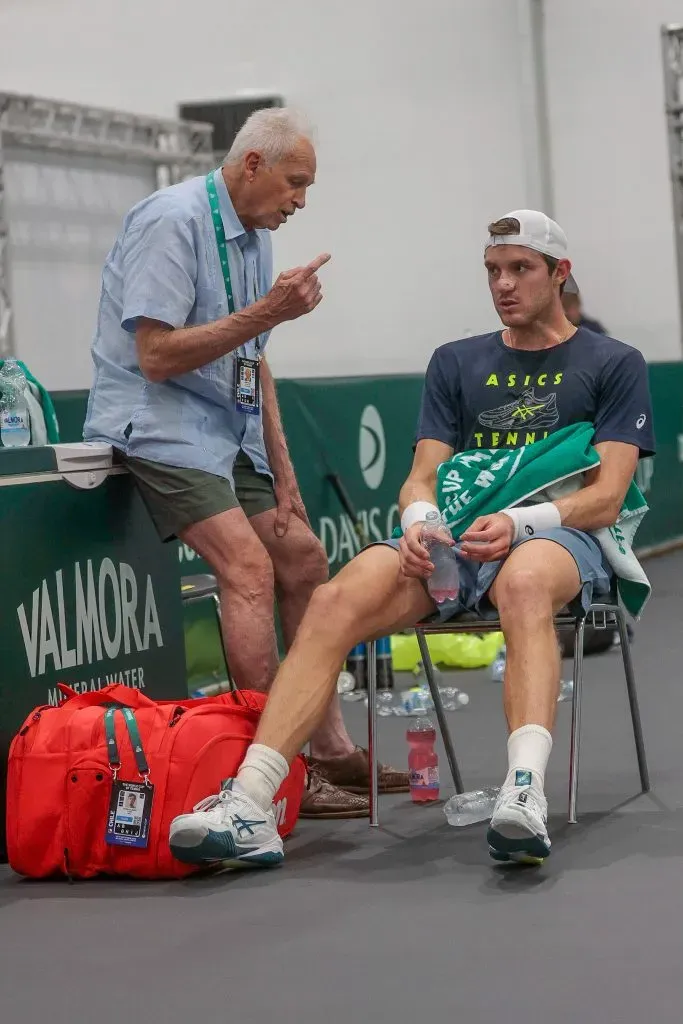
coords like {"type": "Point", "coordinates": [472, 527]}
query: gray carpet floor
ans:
{"type": "Point", "coordinates": [411, 922]}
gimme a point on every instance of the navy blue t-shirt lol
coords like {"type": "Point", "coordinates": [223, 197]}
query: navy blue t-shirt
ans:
{"type": "Point", "coordinates": [479, 393]}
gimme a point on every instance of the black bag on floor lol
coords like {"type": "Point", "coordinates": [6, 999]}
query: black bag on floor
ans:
{"type": "Point", "coordinates": [595, 641]}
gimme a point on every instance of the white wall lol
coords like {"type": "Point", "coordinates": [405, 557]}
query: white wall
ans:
{"type": "Point", "coordinates": [421, 141]}
{"type": "Point", "coordinates": [610, 162]}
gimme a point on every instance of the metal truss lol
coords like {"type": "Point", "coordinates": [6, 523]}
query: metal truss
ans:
{"type": "Point", "coordinates": [178, 149]}
{"type": "Point", "coordinates": [672, 50]}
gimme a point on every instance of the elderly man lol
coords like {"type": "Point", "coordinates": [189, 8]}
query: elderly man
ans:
{"type": "Point", "coordinates": [539, 376]}
{"type": "Point", "coordinates": [184, 394]}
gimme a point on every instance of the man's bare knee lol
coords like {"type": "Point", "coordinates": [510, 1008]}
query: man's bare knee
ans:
{"type": "Point", "coordinates": [332, 608]}
{"type": "Point", "coordinates": [308, 567]}
{"type": "Point", "coordinates": [521, 593]}
{"type": "Point", "coordinates": [247, 573]}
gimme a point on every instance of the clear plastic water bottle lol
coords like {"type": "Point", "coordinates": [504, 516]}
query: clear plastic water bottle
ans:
{"type": "Point", "coordinates": [470, 808]}
{"type": "Point", "coordinates": [416, 701]}
{"type": "Point", "coordinates": [451, 697]}
{"type": "Point", "coordinates": [444, 583]}
{"type": "Point", "coordinates": [15, 422]}
{"type": "Point", "coordinates": [497, 670]}
{"type": "Point", "coordinates": [385, 703]}
{"type": "Point", "coordinates": [566, 690]}
{"type": "Point", "coordinates": [423, 762]}
{"type": "Point", "coordinates": [345, 682]}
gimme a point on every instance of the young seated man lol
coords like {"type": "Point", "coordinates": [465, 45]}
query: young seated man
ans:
{"type": "Point", "coordinates": [509, 388]}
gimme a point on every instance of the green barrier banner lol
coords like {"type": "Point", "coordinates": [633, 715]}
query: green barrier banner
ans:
{"type": "Point", "coordinates": [661, 479]}
{"type": "Point", "coordinates": [351, 444]}
{"type": "Point", "coordinates": [89, 597]}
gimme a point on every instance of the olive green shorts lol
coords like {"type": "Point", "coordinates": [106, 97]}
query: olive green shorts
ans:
{"type": "Point", "coordinates": [177, 498]}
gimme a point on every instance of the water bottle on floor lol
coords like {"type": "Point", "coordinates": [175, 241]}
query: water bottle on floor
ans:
{"type": "Point", "coordinates": [497, 670]}
{"type": "Point", "coordinates": [566, 690]}
{"type": "Point", "coordinates": [345, 682]}
{"type": "Point", "coordinates": [444, 583]}
{"type": "Point", "coordinates": [452, 698]}
{"type": "Point", "coordinates": [423, 762]}
{"type": "Point", "coordinates": [470, 808]}
{"type": "Point", "coordinates": [15, 423]}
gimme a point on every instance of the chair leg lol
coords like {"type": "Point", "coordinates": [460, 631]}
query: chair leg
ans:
{"type": "Point", "coordinates": [579, 630]}
{"type": "Point", "coordinates": [217, 606]}
{"type": "Point", "coordinates": [372, 733]}
{"type": "Point", "coordinates": [633, 701]}
{"type": "Point", "coordinates": [440, 713]}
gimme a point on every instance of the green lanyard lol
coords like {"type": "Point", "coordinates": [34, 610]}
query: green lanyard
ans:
{"type": "Point", "coordinates": [135, 742]}
{"type": "Point", "coordinates": [219, 231]}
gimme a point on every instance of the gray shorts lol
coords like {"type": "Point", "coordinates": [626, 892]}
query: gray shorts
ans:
{"type": "Point", "coordinates": [177, 498]}
{"type": "Point", "coordinates": [476, 578]}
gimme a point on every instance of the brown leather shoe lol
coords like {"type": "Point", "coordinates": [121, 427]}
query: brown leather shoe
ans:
{"type": "Point", "coordinates": [322, 800]}
{"type": "Point", "coordinates": [352, 773]}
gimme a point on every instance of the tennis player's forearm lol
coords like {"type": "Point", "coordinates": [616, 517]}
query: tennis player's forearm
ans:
{"type": "Point", "coordinates": [417, 488]}
{"type": "Point", "coordinates": [589, 509]}
{"type": "Point", "coordinates": [166, 352]}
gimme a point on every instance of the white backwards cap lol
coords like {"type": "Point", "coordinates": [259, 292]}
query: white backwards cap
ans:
{"type": "Point", "coordinates": [537, 231]}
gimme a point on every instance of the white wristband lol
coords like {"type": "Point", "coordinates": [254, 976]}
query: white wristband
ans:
{"type": "Point", "coordinates": [532, 518]}
{"type": "Point", "coordinates": [416, 512]}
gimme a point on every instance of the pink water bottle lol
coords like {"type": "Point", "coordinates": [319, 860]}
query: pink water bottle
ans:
{"type": "Point", "coordinates": [423, 761]}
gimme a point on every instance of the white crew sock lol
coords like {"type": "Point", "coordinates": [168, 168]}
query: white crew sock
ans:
{"type": "Point", "coordinates": [528, 749]}
{"type": "Point", "coordinates": [261, 774]}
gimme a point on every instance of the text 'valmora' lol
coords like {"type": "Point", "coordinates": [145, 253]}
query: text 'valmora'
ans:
{"type": "Point", "coordinates": [98, 620]}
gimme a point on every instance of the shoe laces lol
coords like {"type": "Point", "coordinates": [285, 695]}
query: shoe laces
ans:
{"type": "Point", "coordinates": [210, 802]}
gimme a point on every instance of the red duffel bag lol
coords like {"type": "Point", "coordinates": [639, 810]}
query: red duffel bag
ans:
{"type": "Point", "coordinates": [62, 775]}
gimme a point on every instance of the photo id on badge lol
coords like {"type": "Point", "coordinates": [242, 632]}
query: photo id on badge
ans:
{"type": "Point", "coordinates": [130, 810]}
{"type": "Point", "coordinates": [247, 395]}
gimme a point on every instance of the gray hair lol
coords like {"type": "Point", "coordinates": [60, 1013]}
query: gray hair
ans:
{"type": "Point", "coordinates": [273, 132]}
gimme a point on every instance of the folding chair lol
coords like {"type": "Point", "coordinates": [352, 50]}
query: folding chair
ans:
{"type": "Point", "coordinates": [604, 615]}
{"type": "Point", "coordinates": [204, 587]}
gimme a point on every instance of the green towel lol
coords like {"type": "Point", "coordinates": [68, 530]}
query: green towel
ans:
{"type": "Point", "coordinates": [484, 481]}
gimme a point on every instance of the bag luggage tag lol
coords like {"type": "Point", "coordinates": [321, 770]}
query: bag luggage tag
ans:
{"type": "Point", "coordinates": [130, 804]}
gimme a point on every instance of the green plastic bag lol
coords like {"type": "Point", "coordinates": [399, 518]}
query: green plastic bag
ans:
{"type": "Point", "coordinates": [448, 650]}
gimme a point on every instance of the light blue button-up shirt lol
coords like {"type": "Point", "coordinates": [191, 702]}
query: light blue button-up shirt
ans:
{"type": "Point", "coordinates": [165, 266]}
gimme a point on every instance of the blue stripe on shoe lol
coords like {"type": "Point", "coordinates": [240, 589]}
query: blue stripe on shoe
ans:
{"type": "Point", "coordinates": [214, 846]}
{"type": "Point", "coordinates": [531, 846]}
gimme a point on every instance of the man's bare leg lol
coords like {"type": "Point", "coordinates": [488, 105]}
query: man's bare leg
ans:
{"type": "Point", "coordinates": [300, 567]}
{"type": "Point", "coordinates": [245, 579]}
{"type": "Point", "coordinates": [369, 598]}
{"type": "Point", "coordinates": [536, 581]}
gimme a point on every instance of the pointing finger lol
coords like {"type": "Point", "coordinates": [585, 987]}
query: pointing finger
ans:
{"type": "Point", "coordinates": [316, 264]}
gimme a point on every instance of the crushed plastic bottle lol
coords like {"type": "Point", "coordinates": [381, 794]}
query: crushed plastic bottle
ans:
{"type": "Point", "coordinates": [451, 697]}
{"type": "Point", "coordinates": [416, 701]}
{"type": "Point", "coordinates": [346, 682]}
{"type": "Point", "coordinates": [444, 583]}
{"type": "Point", "coordinates": [566, 690]}
{"type": "Point", "coordinates": [497, 670]}
{"type": "Point", "coordinates": [470, 808]}
{"type": "Point", "coordinates": [385, 703]}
